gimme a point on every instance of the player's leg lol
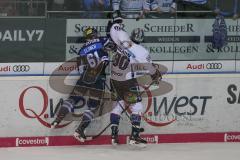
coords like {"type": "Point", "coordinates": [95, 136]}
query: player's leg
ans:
{"type": "Point", "coordinates": [118, 89]}
{"type": "Point", "coordinates": [115, 119]}
{"type": "Point", "coordinates": [135, 138]}
{"type": "Point", "coordinates": [95, 96]}
{"type": "Point", "coordinates": [67, 105]}
{"type": "Point", "coordinates": [125, 92]}
{"type": "Point", "coordinates": [88, 115]}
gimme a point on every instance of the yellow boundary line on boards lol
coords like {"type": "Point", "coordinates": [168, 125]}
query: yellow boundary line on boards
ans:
{"type": "Point", "coordinates": [170, 76]}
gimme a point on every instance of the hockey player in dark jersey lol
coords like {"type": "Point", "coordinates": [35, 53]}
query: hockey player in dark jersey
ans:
{"type": "Point", "coordinates": [123, 79]}
{"type": "Point", "coordinates": [93, 59]}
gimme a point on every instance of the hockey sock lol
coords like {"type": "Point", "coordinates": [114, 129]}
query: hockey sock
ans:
{"type": "Point", "coordinates": [86, 120]}
{"type": "Point", "coordinates": [114, 119]}
{"type": "Point", "coordinates": [135, 119]}
{"type": "Point", "coordinates": [63, 111]}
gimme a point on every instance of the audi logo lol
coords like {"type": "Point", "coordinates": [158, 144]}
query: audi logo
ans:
{"type": "Point", "coordinates": [214, 66]}
{"type": "Point", "coordinates": [21, 68]}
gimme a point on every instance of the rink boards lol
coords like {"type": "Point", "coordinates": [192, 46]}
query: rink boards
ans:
{"type": "Point", "coordinates": [200, 107]}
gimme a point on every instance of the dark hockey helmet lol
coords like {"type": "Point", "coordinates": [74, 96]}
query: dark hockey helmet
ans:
{"type": "Point", "coordinates": [90, 33]}
{"type": "Point", "coordinates": [137, 35]}
{"type": "Point", "coordinates": [117, 17]}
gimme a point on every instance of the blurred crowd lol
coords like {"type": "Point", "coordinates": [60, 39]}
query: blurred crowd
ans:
{"type": "Point", "coordinates": [129, 8]}
{"type": "Point", "coordinates": [23, 7]}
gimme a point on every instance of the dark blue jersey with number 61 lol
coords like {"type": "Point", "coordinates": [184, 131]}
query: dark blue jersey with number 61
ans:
{"type": "Point", "coordinates": [92, 56]}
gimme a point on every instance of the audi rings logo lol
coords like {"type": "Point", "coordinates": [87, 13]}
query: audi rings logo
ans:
{"type": "Point", "coordinates": [21, 68]}
{"type": "Point", "coordinates": [214, 66]}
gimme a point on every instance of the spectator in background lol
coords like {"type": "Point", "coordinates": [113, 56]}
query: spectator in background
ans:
{"type": "Point", "coordinates": [35, 8]}
{"type": "Point", "coordinates": [7, 8]}
{"type": "Point", "coordinates": [228, 8]}
{"type": "Point", "coordinates": [159, 6]}
{"type": "Point", "coordinates": [95, 8]}
{"type": "Point", "coordinates": [151, 5]}
{"type": "Point", "coordinates": [129, 8]}
{"type": "Point", "coordinates": [193, 5]}
{"type": "Point", "coordinates": [167, 6]}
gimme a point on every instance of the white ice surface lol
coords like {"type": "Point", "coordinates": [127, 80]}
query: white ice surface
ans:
{"type": "Point", "coordinates": [194, 151]}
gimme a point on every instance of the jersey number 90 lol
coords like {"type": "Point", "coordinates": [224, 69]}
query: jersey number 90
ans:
{"type": "Point", "coordinates": [121, 61]}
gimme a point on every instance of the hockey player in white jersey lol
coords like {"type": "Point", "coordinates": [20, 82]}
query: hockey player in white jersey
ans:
{"type": "Point", "coordinates": [123, 79]}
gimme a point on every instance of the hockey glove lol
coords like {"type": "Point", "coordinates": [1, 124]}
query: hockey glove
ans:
{"type": "Point", "coordinates": [110, 46]}
{"type": "Point", "coordinates": [156, 76]}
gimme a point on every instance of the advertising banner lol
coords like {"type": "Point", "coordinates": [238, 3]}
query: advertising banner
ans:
{"type": "Point", "coordinates": [22, 36]}
{"type": "Point", "coordinates": [67, 68]}
{"type": "Point", "coordinates": [71, 68]}
{"type": "Point", "coordinates": [204, 66]}
{"type": "Point", "coordinates": [166, 39]}
{"type": "Point", "coordinates": [196, 105]}
{"type": "Point", "coordinates": [32, 40]}
{"type": "Point", "coordinates": [20, 69]}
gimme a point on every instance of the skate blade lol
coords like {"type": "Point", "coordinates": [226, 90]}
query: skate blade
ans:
{"type": "Point", "coordinates": [80, 139]}
{"type": "Point", "coordinates": [89, 138]}
{"type": "Point", "coordinates": [133, 144]}
{"type": "Point", "coordinates": [54, 125]}
{"type": "Point", "coordinates": [114, 143]}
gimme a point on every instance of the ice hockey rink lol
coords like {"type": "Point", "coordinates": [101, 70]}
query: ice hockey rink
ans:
{"type": "Point", "coordinates": [169, 151]}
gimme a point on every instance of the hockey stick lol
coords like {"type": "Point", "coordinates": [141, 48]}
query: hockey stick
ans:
{"type": "Point", "coordinates": [57, 106]}
{"type": "Point", "coordinates": [88, 138]}
{"type": "Point", "coordinates": [104, 129]}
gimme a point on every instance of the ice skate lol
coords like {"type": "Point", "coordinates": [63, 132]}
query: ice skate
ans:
{"type": "Point", "coordinates": [55, 123]}
{"type": "Point", "coordinates": [136, 140]}
{"type": "Point", "coordinates": [80, 135]}
{"type": "Point", "coordinates": [114, 135]}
